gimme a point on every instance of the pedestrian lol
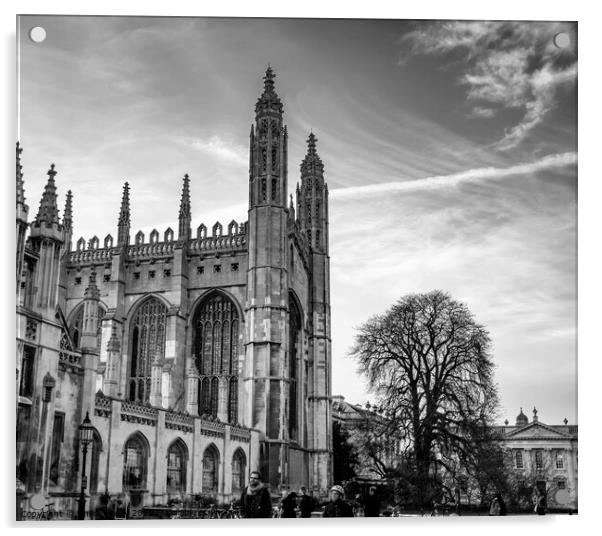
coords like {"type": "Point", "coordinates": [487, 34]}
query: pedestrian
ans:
{"type": "Point", "coordinates": [121, 507]}
{"type": "Point", "coordinates": [306, 503]}
{"type": "Point", "coordinates": [540, 503]}
{"type": "Point", "coordinates": [494, 507]}
{"type": "Point", "coordinates": [372, 503]}
{"type": "Point", "coordinates": [337, 507]}
{"type": "Point", "coordinates": [256, 501]}
{"type": "Point", "coordinates": [288, 505]}
{"type": "Point", "coordinates": [102, 509]}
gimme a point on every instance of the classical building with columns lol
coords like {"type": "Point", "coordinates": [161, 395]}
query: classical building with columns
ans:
{"type": "Point", "coordinates": [543, 458]}
{"type": "Point", "coordinates": [198, 356]}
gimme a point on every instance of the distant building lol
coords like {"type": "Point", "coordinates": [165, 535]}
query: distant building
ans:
{"type": "Point", "coordinates": [359, 421]}
{"type": "Point", "coordinates": [544, 457]}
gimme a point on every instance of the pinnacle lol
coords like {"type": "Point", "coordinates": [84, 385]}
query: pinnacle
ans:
{"type": "Point", "coordinates": [269, 100]}
{"type": "Point", "coordinates": [92, 289]}
{"type": "Point", "coordinates": [48, 211]}
{"type": "Point", "coordinates": [124, 213]}
{"type": "Point", "coordinates": [20, 189]}
{"type": "Point", "coordinates": [185, 200]}
{"type": "Point", "coordinates": [311, 143]}
{"type": "Point", "coordinates": [68, 212]}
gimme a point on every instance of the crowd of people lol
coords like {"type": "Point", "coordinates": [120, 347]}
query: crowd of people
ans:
{"type": "Point", "coordinates": [256, 502]}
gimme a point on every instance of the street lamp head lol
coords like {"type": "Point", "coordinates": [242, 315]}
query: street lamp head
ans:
{"type": "Point", "coordinates": [86, 430]}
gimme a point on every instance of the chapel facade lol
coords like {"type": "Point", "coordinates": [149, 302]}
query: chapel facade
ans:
{"type": "Point", "coordinates": [197, 355]}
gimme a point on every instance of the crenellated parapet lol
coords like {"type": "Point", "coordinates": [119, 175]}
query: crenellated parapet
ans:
{"type": "Point", "coordinates": [234, 240]}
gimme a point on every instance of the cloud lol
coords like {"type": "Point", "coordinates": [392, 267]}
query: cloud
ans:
{"type": "Point", "coordinates": [446, 181]}
{"type": "Point", "coordinates": [505, 65]}
{"type": "Point", "coordinates": [221, 148]}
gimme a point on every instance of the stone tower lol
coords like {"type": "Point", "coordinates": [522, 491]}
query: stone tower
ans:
{"type": "Point", "coordinates": [264, 377]}
{"type": "Point", "coordinates": [312, 211]}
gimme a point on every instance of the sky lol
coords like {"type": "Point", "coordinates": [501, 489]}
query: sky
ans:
{"type": "Point", "coordinates": [450, 151]}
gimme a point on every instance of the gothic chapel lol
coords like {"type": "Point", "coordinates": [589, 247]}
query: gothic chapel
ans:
{"type": "Point", "coordinates": [197, 356]}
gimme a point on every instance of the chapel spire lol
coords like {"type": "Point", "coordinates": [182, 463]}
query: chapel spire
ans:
{"type": "Point", "coordinates": [268, 151]}
{"type": "Point", "coordinates": [184, 217]}
{"type": "Point", "coordinates": [48, 212]}
{"type": "Point", "coordinates": [269, 100]}
{"type": "Point", "coordinates": [123, 227]}
{"type": "Point", "coordinates": [312, 198]}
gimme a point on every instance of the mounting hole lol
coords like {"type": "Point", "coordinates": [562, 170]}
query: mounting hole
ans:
{"type": "Point", "coordinates": [37, 34]}
{"type": "Point", "coordinates": [562, 40]}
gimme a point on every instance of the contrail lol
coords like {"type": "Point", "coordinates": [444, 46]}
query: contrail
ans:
{"type": "Point", "coordinates": [471, 175]}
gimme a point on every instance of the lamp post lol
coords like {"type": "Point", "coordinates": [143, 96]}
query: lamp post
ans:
{"type": "Point", "coordinates": [85, 437]}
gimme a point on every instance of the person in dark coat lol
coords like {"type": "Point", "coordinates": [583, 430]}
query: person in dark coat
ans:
{"type": "Point", "coordinates": [337, 507]}
{"type": "Point", "coordinates": [372, 503]}
{"type": "Point", "coordinates": [540, 504]}
{"type": "Point", "coordinates": [256, 501]}
{"type": "Point", "coordinates": [288, 504]}
{"type": "Point", "coordinates": [306, 503]}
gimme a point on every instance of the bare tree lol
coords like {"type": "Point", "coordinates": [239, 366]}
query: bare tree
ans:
{"type": "Point", "coordinates": [429, 363]}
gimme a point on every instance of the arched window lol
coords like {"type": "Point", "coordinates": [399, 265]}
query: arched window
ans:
{"type": "Point", "coordinates": [216, 350]}
{"type": "Point", "coordinates": [239, 469]}
{"type": "Point", "coordinates": [148, 345]}
{"type": "Point", "coordinates": [293, 353]}
{"type": "Point", "coordinates": [135, 458]}
{"type": "Point", "coordinates": [559, 460]}
{"type": "Point", "coordinates": [210, 469]}
{"type": "Point", "coordinates": [76, 326]}
{"type": "Point", "coordinates": [177, 457]}
{"type": "Point", "coordinates": [519, 459]}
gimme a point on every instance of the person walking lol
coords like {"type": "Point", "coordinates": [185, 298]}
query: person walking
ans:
{"type": "Point", "coordinates": [256, 501]}
{"type": "Point", "coordinates": [495, 507]}
{"type": "Point", "coordinates": [306, 503]}
{"type": "Point", "coordinates": [288, 505]}
{"type": "Point", "coordinates": [337, 507]}
{"type": "Point", "coordinates": [372, 503]}
{"type": "Point", "coordinates": [540, 503]}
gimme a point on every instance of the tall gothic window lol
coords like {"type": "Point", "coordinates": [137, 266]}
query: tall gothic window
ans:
{"type": "Point", "coordinates": [239, 468]}
{"type": "Point", "coordinates": [293, 353]}
{"type": "Point", "coordinates": [176, 467]}
{"type": "Point", "coordinates": [148, 345]}
{"type": "Point", "coordinates": [210, 470]}
{"type": "Point", "coordinates": [216, 348]}
{"type": "Point", "coordinates": [75, 329]}
{"type": "Point", "coordinates": [135, 458]}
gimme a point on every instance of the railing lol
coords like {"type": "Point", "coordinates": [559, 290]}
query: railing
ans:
{"type": "Point", "coordinates": [137, 413]}
{"type": "Point", "coordinates": [70, 359]}
{"type": "Point", "coordinates": [102, 405]}
{"type": "Point", "coordinates": [158, 249]}
{"type": "Point", "coordinates": [179, 421]}
{"type": "Point", "coordinates": [213, 243]}
{"type": "Point", "coordinates": [91, 255]}
{"type": "Point", "coordinates": [144, 414]}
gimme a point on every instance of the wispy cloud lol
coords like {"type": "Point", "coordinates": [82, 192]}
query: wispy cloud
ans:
{"type": "Point", "coordinates": [507, 65]}
{"type": "Point", "coordinates": [446, 181]}
{"type": "Point", "coordinates": [221, 148]}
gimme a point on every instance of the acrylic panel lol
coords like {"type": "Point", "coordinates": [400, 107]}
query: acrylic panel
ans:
{"type": "Point", "coordinates": [295, 268]}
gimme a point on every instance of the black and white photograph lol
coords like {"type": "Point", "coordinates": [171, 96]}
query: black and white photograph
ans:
{"type": "Point", "coordinates": [295, 268]}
